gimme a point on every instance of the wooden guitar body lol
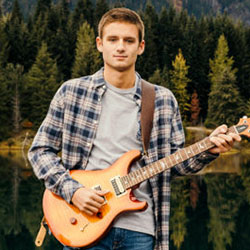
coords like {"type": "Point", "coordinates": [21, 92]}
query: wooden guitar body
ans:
{"type": "Point", "coordinates": [76, 229]}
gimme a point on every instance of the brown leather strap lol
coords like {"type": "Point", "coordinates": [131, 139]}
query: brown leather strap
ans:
{"type": "Point", "coordinates": [147, 112]}
{"type": "Point", "coordinates": [41, 234]}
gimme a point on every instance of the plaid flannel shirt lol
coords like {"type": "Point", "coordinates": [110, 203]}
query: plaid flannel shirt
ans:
{"type": "Point", "coordinates": [70, 127]}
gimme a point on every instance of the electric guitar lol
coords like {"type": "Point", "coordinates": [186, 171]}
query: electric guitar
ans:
{"type": "Point", "coordinates": [74, 228]}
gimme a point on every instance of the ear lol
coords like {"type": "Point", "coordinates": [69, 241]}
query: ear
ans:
{"type": "Point", "coordinates": [141, 47]}
{"type": "Point", "coordinates": [99, 44]}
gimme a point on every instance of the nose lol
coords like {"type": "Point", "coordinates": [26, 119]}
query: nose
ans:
{"type": "Point", "coordinates": [120, 46]}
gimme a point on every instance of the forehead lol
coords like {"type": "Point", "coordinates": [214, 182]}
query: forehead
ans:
{"type": "Point", "coordinates": [121, 29]}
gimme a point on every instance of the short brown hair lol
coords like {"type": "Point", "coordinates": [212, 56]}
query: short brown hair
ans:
{"type": "Point", "coordinates": [121, 15]}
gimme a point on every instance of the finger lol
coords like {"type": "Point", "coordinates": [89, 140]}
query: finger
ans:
{"type": "Point", "coordinates": [220, 143]}
{"type": "Point", "coordinates": [94, 203]}
{"type": "Point", "coordinates": [227, 139]}
{"type": "Point", "coordinates": [220, 130]}
{"type": "Point", "coordinates": [90, 210]}
{"type": "Point", "coordinates": [236, 137]}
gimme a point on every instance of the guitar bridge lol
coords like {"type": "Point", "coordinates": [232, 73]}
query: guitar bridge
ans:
{"type": "Point", "coordinates": [117, 186]}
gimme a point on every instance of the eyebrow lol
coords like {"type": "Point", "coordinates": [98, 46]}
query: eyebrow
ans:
{"type": "Point", "coordinates": [126, 37]}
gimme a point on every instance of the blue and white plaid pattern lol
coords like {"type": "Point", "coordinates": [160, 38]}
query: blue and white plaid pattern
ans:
{"type": "Point", "coordinates": [70, 127]}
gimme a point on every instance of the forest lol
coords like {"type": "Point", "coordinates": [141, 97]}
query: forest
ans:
{"type": "Point", "coordinates": [205, 62]}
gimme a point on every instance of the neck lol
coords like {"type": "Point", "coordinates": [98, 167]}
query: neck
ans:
{"type": "Point", "coordinates": [120, 79]}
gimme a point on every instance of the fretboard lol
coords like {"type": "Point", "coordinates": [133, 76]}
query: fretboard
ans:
{"type": "Point", "coordinates": [144, 173]}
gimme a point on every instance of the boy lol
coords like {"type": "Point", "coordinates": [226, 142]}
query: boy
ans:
{"type": "Point", "coordinates": [95, 119]}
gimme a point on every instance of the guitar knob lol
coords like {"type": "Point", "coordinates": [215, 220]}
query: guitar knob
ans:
{"type": "Point", "coordinates": [73, 220]}
{"type": "Point", "coordinates": [99, 215]}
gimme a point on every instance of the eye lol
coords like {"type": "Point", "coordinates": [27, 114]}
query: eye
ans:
{"type": "Point", "coordinates": [130, 41]}
{"type": "Point", "coordinates": [112, 39]}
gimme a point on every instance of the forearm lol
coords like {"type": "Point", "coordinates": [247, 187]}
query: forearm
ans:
{"type": "Point", "coordinates": [47, 166]}
{"type": "Point", "coordinates": [193, 165]}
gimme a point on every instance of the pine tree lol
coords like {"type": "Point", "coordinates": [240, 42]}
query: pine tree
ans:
{"type": "Point", "coordinates": [41, 84]}
{"type": "Point", "coordinates": [147, 63]}
{"type": "Point", "coordinates": [87, 58]}
{"type": "Point", "coordinates": [161, 78]}
{"type": "Point", "coordinates": [83, 12]}
{"type": "Point", "coordinates": [224, 99]}
{"type": "Point", "coordinates": [18, 41]}
{"type": "Point", "coordinates": [101, 8]}
{"type": "Point", "coordinates": [11, 81]}
{"type": "Point", "coordinates": [179, 81]}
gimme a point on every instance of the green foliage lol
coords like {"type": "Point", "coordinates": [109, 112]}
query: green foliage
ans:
{"type": "Point", "coordinates": [178, 219]}
{"type": "Point", "coordinates": [179, 81]}
{"type": "Point", "coordinates": [161, 78]}
{"type": "Point", "coordinates": [147, 63]}
{"type": "Point", "coordinates": [224, 96]}
{"type": "Point", "coordinates": [11, 81]}
{"type": "Point", "coordinates": [223, 208]}
{"type": "Point", "coordinates": [40, 86]}
{"type": "Point", "coordinates": [87, 59]}
{"type": "Point", "coordinates": [58, 23]}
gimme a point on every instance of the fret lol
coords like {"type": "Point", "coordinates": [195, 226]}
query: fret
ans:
{"type": "Point", "coordinates": [160, 168]}
{"type": "Point", "coordinates": [145, 173]}
{"type": "Point", "coordinates": [165, 163]}
{"type": "Point", "coordinates": [177, 157]}
{"type": "Point", "coordinates": [196, 149]}
{"type": "Point", "coordinates": [141, 177]}
{"type": "Point", "coordinates": [190, 151]}
{"type": "Point", "coordinates": [151, 170]}
{"type": "Point", "coordinates": [163, 166]}
{"type": "Point", "coordinates": [181, 155]}
{"type": "Point", "coordinates": [132, 178]}
{"type": "Point", "coordinates": [172, 158]}
{"type": "Point", "coordinates": [187, 152]}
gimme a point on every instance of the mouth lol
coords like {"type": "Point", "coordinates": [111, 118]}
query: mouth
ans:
{"type": "Point", "coordinates": [120, 56]}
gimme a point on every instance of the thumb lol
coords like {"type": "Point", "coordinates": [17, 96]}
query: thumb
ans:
{"type": "Point", "coordinates": [102, 192]}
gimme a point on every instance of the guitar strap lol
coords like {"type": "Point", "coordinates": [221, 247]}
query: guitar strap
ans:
{"type": "Point", "coordinates": [147, 113]}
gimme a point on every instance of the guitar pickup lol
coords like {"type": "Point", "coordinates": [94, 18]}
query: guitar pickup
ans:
{"type": "Point", "coordinates": [117, 185]}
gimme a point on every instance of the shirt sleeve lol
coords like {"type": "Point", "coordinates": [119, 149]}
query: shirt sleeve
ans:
{"type": "Point", "coordinates": [44, 152]}
{"type": "Point", "coordinates": [177, 142]}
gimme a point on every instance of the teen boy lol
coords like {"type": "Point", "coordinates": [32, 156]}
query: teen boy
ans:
{"type": "Point", "coordinates": [95, 119]}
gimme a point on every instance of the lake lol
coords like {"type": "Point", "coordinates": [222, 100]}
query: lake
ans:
{"type": "Point", "coordinates": [209, 211]}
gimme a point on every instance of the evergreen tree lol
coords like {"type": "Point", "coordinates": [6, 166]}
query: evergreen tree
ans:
{"type": "Point", "coordinates": [61, 45]}
{"type": "Point", "coordinates": [42, 7]}
{"type": "Point", "coordinates": [169, 37]}
{"type": "Point", "coordinates": [41, 85]}
{"type": "Point", "coordinates": [224, 96]}
{"type": "Point", "coordinates": [101, 8]}
{"type": "Point", "coordinates": [87, 57]}
{"type": "Point", "coordinates": [179, 81]}
{"type": "Point", "coordinates": [3, 44]}
{"type": "Point", "coordinates": [161, 78]}
{"type": "Point", "coordinates": [18, 43]}
{"type": "Point", "coordinates": [147, 63]}
{"type": "Point", "coordinates": [83, 12]}
{"type": "Point", "coordinates": [11, 81]}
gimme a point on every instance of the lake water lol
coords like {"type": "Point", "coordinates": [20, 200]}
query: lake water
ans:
{"type": "Point", "coordinates": [209, 211]}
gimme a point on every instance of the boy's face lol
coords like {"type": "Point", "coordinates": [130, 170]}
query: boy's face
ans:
{"type": "Point", "coordinates": [120, 45]}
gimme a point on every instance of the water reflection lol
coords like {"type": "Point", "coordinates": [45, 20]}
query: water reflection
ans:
{"type": "Point", "coordinates": [209, 211]}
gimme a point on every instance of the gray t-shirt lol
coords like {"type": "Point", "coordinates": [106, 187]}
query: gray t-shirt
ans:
{"type": "Point", "coordinates": [118, 133]}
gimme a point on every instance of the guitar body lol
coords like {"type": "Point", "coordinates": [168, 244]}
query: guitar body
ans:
{"type": "Point", "coordinates": [75, 228]}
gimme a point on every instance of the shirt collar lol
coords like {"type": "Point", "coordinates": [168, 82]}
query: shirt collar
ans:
{"type": "Point", "coordinates": [98, 81]}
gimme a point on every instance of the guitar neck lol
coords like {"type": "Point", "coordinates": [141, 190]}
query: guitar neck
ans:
{"type": "Point", "coordinates": [136, 177]}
